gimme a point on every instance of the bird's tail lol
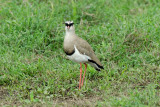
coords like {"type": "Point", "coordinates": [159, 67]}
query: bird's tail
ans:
{"type": "Point", "coordinates": [95, 65]}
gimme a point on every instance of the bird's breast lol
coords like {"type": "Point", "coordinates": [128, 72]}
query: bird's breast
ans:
{"type": "Point", "coordinates": [78, 57]}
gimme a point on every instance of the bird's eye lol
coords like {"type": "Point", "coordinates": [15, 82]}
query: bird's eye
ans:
{"type": "Point", "coordinates": [71, 24]}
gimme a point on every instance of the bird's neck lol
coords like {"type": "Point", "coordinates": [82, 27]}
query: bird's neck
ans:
{"type": "Point", "coordinates": [70, 33]}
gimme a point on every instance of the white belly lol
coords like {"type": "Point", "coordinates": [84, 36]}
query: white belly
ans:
{"type": "Point", "coordinates": [78, 57]}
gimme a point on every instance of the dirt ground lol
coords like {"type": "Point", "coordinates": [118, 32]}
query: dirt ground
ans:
{"type": "Point", "coordinates": [7, 100]}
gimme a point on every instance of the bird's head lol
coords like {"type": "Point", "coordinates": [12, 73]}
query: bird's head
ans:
{"type": "Point", "coordinates": [69, 26]}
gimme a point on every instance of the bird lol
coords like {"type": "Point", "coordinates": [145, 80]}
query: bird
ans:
{"type": "Point", "coordinates": [78, 50]}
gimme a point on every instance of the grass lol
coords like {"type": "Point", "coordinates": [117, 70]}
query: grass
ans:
{"type": "Point", "coordinates": [123, 33]}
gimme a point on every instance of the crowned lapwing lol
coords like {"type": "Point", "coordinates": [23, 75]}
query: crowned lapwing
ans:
{"type": "Point", "coordinates": [79, 50]}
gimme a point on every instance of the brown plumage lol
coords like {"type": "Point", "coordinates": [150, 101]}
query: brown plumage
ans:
{"type": "Point", "coordinates": [78, 50]}
{"type": "Point", "coordinates": [82, 46]}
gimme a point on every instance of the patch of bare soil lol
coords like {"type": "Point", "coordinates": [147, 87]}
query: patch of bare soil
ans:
{"type": "Point", "coordinates": [7, 100]}
{"type": "Point", "coordinates": [85, 102]}
{"type": "Point", "coordinates": [3, 94]}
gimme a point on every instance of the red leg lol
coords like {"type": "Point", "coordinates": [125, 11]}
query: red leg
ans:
{"type": "Point", "coordinates": [80, 76]}
{"type": "Point", "coordinates": [84, 74]}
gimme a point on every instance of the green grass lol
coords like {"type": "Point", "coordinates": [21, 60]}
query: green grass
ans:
{"type": "Point", "coordinates": [125, 35]}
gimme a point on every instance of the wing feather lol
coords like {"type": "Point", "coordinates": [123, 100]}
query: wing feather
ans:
{"type": "Point", "coordinates": [84, 48]}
